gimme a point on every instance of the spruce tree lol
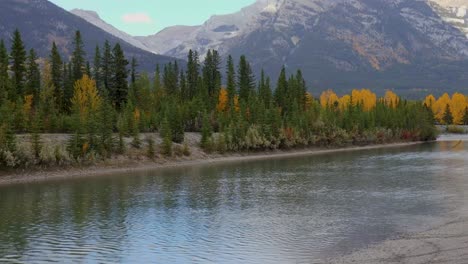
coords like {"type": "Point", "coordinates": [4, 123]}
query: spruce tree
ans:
{"type": "Point", "coordinates": [107, 67]}
{"type": "Point", "coordinates": [465, 117]}
{"type": "Point", "coordinates": [119, 85]}
{"type": "Point", "coordinates": [281, 92]}
{"type": "Point", "coordinates": [157, 80]}
{"type": "Point", "coordinates": [97, 67]}
{"type": "Point", "coordinates": [18, 66]}
{"type": "Point", "coordinates": [448, 117]}
{"type": "Point", "coordinates": [78, 57]}
{"type": "Point", "coordinates": [245, 80]}
{"type": "Point", "coordinates": [264, 90]}
{"type": "Point", "coordinates": [211, 74]}
{"type": "Point", "coordinates": [193, 72]}
{"type": "Point", "coordinates": [57, 71]}
{"type": "Point", "coordinates": [133, 74]}
{"type": "Point", "coordinates": [4, 78]}
{"type": "Point", "coordinates": [33, 76]}
{"type": "Point", "coordinates": [166, 135]}
{"type": "Point", "coordinates": [231, 81]}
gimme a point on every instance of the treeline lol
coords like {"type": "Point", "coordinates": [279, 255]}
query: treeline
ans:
{"type": "Point", "coordinates": [103, 102]}
{"type": "Point", "coordinates": [449, 110]}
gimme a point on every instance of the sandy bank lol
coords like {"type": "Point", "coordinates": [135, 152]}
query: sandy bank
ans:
{"type": "Point", "coordinates": [446, 243]}
{"type": "Point", "coordinates": [126, 166]}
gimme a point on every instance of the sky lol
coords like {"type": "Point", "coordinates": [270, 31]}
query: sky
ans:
{"type": "Point", "coordinates": [147, 17]}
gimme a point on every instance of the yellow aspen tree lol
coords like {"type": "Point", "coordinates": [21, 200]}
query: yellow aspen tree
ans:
{"type": "Point", "coordinates": [345, 101]}
{"type": "Point", "coordinates": [430, 102]}
{"type": "Point", "coordinates": [458, 105]}
{"type": "Point", "coordinates": [329, 99]}
{"type": "Point", "coordinates": [365, 98]}
{"type": "Point", "coordinates": [222, 101]}
{"type": "Point", "coordinates": [85, 99]}
{"type": "Point", "coordinates": [440, 106]}
{"type": "Point", "coordinates": [391, 99]}
{"type": "Point", "coordinates": [27, 106]}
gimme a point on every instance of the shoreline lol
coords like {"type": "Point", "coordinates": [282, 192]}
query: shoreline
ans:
{"type": "Point", "coordinates": [446, 242]}
{"type": "Point", "coordinates": [102, 169]}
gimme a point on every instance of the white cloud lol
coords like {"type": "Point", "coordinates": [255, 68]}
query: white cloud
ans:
{"type": "Point", "coordinates": [137, 18]}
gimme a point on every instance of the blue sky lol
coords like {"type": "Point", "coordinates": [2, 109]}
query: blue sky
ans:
{"type": "Point", "coordinates": [146, 17]}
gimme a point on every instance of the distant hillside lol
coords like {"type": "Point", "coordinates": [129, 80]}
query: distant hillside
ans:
{"type": "Point", "coordinates": [42, 22]}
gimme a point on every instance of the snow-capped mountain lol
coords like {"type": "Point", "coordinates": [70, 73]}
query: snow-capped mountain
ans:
{"type": "Point", "coordinates": [338, 43]}
{"type": "Point", "coordinates": [454, 12]}
{"type": "Point", "coordinates": [167, 39]}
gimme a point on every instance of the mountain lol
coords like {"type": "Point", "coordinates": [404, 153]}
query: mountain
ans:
{"type": "Point", "coordinates": [167, 39]}
{"type": "Point", "coordinates": [41, 22]}
{"type": "Point", "coordinates": [342, 44]}
{"type": "Point", "coordinates": [454, 12]}
{"type": "Point", "coordinates": [93, 18]}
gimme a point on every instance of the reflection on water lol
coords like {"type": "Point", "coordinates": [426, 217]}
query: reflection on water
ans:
{"type": "Point", "coordinates": [294, 210]}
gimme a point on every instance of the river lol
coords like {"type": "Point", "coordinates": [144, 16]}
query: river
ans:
{"type": "Point", "coordinates": [284, 210]}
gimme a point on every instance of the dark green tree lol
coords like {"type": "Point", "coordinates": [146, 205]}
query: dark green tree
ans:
{"type": "Point", "coordinates": [134, 73]}
{"type": "Point", "coordinates": [57, 74]}
{"type": "Point", "coordinates": [212, 75]}
{"type": "Point", "coordinates": [78, 57]}
{"type": "Point", "coordinates": [119, 86]}
{"type": "Point", "coordinates": [33, 76]}
{"type": "Point", "coordinates": [97, 69]}
{"type": "Point", "coordinates": [4, 78]}
{"type": "Point", "coordinates": [245, 79]}
{"type": "Point", "coordinates": [448, 117]}
{"type": "Point", "coordinates": [193, 72]}
{"type": "Point", "coordinates": [231, 81]}
{"type": "Point", "coordinates": [107, 67]}
{"type": "Point", "coordinates": [18, 66]}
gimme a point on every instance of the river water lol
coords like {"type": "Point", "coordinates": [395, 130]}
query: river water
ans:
{"type": "Point", "coordinates": [283, 210]}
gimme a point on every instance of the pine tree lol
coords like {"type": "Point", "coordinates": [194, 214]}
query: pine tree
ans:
{"type": "Point", "coordinates": [281, 92]}
{"type": "Point", "coordinates": [166, 135]}
{"type": "Point", "coordinates": [33, 76]}
{"type": "Point", "coordinates": [231, 81]}
{"type": "Point", "coordinates": [465, 117]}
{"type": "Point", "coordinates": [88, 69]}
{"type": "Point", "coordinates": [78, 57]}
{"type": "Point", "coordinates": [448, 117]}
{"type": "Point", "coordinates": [193, 72]}
{"type": "Point", "coordinates": [57, 71]}
{"type": "Point", "coordinates": [107, 67]}
{"type": "Point", "coordinates": [134, 74]}
{"type": "Point", "coordinates": [205, 142]}
{"type": "Point", "coordinates": [264, 90]}
{"type": "Point", "coordinates": [119, 86]}
{"type": "Point", "coordinates": [246, 79]}
{"type": "Point", "coordinates": [18, 61]}
{"type": "Point", "coordinates": [157, 80]}
{"type": "Point", "coordinates": [4, 78]}
{"type": "Point", "coordinates": [97, 69]}
{"type": "Point", "coordinates": [212, 75]}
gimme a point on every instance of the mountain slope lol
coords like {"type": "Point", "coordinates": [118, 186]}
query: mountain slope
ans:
{"type": "Point", "coordinates": [42, 22]}
{"type": "Point", "coordinates": [454, 12]}
{"type": "Point", "coordinates": [343, 43]}
{"type": "Point", "coordinates": [168, 38]}
{"type": "Point", "coordinates": [93, 18]}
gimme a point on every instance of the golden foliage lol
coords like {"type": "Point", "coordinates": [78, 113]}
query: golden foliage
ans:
{"type": "Point", "coordinates": [364, 98]}
{"type": "Point", "coordinates": [344, 102]}
{"type": "Point", "coordinates": [458, 105]}
{"type": "Point", "coordinates": [236, 104]}
{"type": "Point", "coordinates": [85, 99]}
{"type": "Point", "coordinates": [309, 100]}
{"type": "Point", "coordinates": [27, 106]}
{"type": "Point", "coordinates": [329, 99]}
{"type": "Point", "coordinates": [440, 106]}
{"type": "Point", "coordinates": [391, 99]}
{"type": "Point", "coordinates": [223, 98]}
